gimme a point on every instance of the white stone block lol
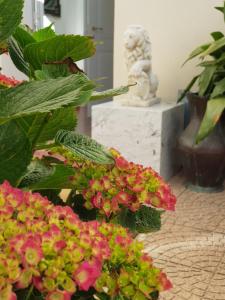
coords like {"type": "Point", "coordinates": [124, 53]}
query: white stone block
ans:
{"type": "Point", "coordinates": [144, 135]}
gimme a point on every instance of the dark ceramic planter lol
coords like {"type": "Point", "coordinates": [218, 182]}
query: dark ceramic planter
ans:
{"type": "Point", "coordinates": [203, 163]}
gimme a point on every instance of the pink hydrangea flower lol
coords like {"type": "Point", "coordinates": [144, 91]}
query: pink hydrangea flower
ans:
{"type": "Point", "coordinates": [86, 275]}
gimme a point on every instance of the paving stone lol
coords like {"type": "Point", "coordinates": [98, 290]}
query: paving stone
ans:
{"type": "Point", "coordinates": [190, 247]}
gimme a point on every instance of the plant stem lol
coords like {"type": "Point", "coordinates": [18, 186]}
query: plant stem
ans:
{"type": "Point", "coordinates": [29, 293]}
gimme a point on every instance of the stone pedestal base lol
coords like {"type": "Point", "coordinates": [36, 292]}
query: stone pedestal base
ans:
{"type": "Point", "coordinates": [137, 103]}
{"type": "Point", "coordinates": [144, 135]}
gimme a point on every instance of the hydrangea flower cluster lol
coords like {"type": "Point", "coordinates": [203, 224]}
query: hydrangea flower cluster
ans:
{"type": "Point", "coordinates": [108, 188]}
{"type": "Point", "coordinates": [8, 82]}
{"type": "Point", "coordinates": [49, 248]}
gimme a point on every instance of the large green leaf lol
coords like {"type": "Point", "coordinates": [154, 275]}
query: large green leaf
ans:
{"type": "Point", "coordinates": [219, 89]}
{"type": "Point", "coordinates": [43, 178]}
{"type": "Point", "coordinates": [84, 147]}
{"type": "Point", "coordinates": [44, 34]}
{"type": "Point", "coordinates": [42, 128]}
{"type": "Point", "coordinates": [216, 45]}
{"type": "Point", "coordinates": [16, 55]}
{"type": "Point", "coordinates": [15, 152]}
{"type": "Point", "coordinates": [44, 96]}
{"type": "Point", "coordinates": [10, 18]}
{"type": "Point", "coordinates": [214, 110]}
{"type": "Point", "coordinates": [58, 49]}
{"type": "Point", "coordinates": [63, 118]}
{"type": "Point", "coordinates": [109, 93]}
{"type": "Point", "coordinates": [205, 79]}
{"type": "Point", "coordinates": [52, 71]}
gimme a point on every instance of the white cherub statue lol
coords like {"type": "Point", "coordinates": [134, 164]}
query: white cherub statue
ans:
{"type": "Point", "coordinates": [138, 60]}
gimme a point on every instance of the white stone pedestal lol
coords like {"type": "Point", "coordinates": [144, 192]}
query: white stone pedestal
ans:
{"type": "Point", "coordinates": [144, 135]}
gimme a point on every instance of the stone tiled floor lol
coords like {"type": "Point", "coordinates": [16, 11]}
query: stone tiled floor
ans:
{"type": "Point", "coordinates": [190, 247]}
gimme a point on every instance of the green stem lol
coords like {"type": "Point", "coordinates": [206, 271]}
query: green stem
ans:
{"type": "Point", "coordinates": [29, 293]}
{"type": "Point", "coordinates": [45, 121]}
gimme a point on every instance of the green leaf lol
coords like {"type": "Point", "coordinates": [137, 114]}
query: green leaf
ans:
{"type": "Point", "coordinates": [109, 93]}
{"type": "Point", "coordinates": [217, 35]}
{"type": "Point", "coordinates": [219, 89]}
{"type": "Point", "coordinates": [11, 16]}
{"type": "Point", "coordinates": [58, 49]}
{"type": "Point", "coordinates": [84, 147]}
{"type": "Point", "coordinates": [23, 36]}
{"type": "Point", "coordinates": [205, 79]}
{"type": "Point", "coordinates": [44, 96]}
{"type": "Point", "coordinates": [221, 9]}
{"type": "Point", "coordinates": [52, 71]}
{"type": "Point", "coordinates": [36, 171]}
{"type": "Point", "coordinates": [197, 52]}
{"type": "Point", "coordinates": [44, 34]}
{"type": "Point", "coordinates": [217, 45]}
{"type": "Point", "coordinates": [16, 55]}
{"type": "Point", "coordinates": [41, 128]}
{"type": "Point", "coordinates": [64, 118]}
{"type": "Point", "coordinates": [187, 89]}
{"type": "Point", "coordinates": [59, 178]}
{"type": "Point", "coordinates": [146, 219]}
{"type": "Point", "coordinates": [214, 110]}
{"type": "Point", "coordinates": [15, 152]}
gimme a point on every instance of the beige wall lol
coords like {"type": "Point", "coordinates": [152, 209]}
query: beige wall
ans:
{"type": "Point", "coordinates": [175, 28]}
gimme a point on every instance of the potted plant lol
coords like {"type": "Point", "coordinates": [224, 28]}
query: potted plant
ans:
{"type": "Point", "coordinates": [40, 114]}
{"type": "Point", "coordinates": [202, 144]}
{"type": "Point", "coordinates": [46, 250]}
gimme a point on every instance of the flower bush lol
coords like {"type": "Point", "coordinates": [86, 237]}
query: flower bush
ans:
{"type": "Point", "coordinates": [113, 188]}
{"type": "Point", "coordinates": [7, 82]}
{"type": "Point", "coordinates": [48, 251]}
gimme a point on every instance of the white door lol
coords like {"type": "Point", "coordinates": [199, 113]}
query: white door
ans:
{"type": "Point", "coordinates": [99, 23]}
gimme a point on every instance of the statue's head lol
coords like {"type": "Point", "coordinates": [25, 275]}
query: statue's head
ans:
{"type": "Point", "coordinates": [136, 36]}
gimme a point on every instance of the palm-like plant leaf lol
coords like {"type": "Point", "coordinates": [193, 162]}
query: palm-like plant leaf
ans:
{"type": "Point", "coordinates": [84, 147]}
{"type": "Point", "coordinates": [214, 110]}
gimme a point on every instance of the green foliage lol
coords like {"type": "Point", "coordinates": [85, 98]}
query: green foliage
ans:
{"type": "Point", "coordinates": [205, 79]}
{"type": "Point", "coordinates": [16, 55]}
{"type": "Point", "coordinates": [109, 93]}
{"type": "Point", "coordinates": [84, 147]}
{"type": "Point", "coordinates": [58, 49]}
{"type": "Point", "coordinates": [146, 219]}
{"type": "Point", "coordinates": [15, 152]}
{"type": "Point", "coordinates": [44, 34]}
{"type": "Point", "coordinates": [42, 177]}
{"type": "Point", "coordinates": [215, 108]}
{"type": "Point", "coordinates": [44, 96]}
{"type": "Point", "coordinates": [10, 18]}
{"type": "Point", "coordinates": [211, 81]}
